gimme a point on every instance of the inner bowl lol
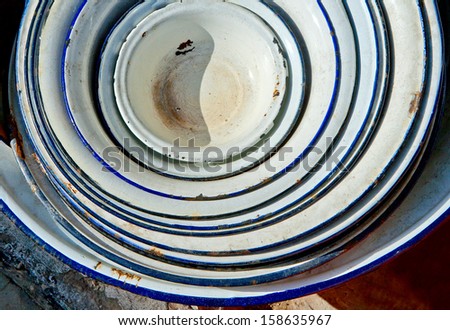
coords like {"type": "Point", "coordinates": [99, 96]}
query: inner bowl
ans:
{"type": "Point", "coordinates": [200, 76]}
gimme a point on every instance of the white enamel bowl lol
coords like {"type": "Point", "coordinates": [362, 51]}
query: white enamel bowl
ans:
{"type": "Point", "coordinates": [227, 152]}
{"type": "Point", "coordinates": [183, 82]}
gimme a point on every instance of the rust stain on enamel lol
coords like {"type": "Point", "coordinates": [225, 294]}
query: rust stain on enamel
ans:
{"type": "Point", "coordinates": [185, 44]}
{"type": "Point", "coordinates": [415, 103]}
{"type": "Point", "coordinates": [266, 181]}
{"type": "Point", "coordinates": [71, 188]}
{"type": "Point", "coordinates": [156, 252]}
{"type": "Point", "coordinates": [38, 161]}
{"type": "Point", "coordinates": [123, 274]}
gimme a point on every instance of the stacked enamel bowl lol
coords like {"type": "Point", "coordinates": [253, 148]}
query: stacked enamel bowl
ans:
{"type": "Point", "coordinates": [226, 152]}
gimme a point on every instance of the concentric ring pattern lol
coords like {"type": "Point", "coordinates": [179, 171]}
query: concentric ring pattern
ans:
{"type": "Point", "coordinates": [214, 146]}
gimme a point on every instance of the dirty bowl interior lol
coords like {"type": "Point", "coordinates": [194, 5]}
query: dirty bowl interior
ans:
{"type": "Point", "coordinates": [211, 74]}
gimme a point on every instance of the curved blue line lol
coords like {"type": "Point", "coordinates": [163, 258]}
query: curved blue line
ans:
{"type": "Point", "coordinates": [445, 214]}
{"type": "Point", "coordinates": [233, 301]}
{"type": "Point", "coordinates": [170, 196]}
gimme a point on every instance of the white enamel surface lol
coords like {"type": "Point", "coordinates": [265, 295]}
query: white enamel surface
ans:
{"type": "Point", "coordinates": [194, 87]}
{"type": "Point", "coordinates": [266, 120]}
{"type": "Point", "coordinates": [158, 220]}
{"type": "Point", "coordinates": [426, 201]}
